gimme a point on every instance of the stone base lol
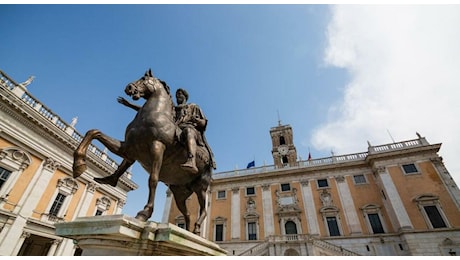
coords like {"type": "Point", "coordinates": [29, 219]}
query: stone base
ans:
{"type": "Point", "coordinates": [121, 235]}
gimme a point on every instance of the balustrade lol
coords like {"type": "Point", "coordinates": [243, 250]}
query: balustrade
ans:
{"type": "Point", "coordinates": [10, 85]}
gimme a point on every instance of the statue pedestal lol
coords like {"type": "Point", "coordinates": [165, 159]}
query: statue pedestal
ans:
{"type": "Point", "coordinates": [121, 235]}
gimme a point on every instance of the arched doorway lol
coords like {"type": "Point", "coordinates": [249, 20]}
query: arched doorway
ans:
{"type": "Point", "coordinates": [291, 252]}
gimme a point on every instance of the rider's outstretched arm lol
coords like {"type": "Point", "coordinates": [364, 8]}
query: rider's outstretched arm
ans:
{"type": "Point", "coordinates": [126, 103]}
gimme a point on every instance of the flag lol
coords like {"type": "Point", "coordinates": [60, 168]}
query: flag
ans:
{"type": "Point", "coordinates": [251, 164]}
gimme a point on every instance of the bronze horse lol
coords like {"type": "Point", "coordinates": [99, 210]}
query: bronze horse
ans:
{"type": "Point", "coordinates": [151, 140]}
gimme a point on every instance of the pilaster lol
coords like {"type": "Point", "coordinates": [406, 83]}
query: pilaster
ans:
{"type": "Point", "coordinates": [269, 223]}
{"type": "Point", "coordinates": [348, 206]}
{"type": "Point", "coordinates": [236, 214]}
{"type": "Point", "coordinates": [310, 209]}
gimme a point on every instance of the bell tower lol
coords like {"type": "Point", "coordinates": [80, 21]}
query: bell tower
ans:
{"type": "Point", "coordinates": [283, 149]}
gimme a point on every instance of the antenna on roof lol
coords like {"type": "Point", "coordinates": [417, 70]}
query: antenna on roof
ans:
{"type": "Point", "coordinates": [391, 136]}
{"type": "Point", "coordinates": [279, 120]}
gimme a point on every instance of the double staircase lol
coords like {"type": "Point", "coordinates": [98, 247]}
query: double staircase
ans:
{"type": "Point", "coordinates": [316, 246]}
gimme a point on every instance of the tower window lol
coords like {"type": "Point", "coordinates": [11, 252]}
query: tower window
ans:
{"type": "Point", "coordinates": [282, 140]}
{"type": "Point", "coordinates": [285, 159]}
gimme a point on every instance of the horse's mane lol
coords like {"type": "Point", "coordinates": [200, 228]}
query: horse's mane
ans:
{"type": "Point", "coordinates": [165, 85]}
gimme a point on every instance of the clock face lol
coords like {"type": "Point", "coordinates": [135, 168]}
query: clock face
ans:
{"type": "Point", "coordinates": [283, 149]}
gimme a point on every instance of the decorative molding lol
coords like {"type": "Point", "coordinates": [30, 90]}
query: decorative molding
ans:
{"type": "Point", "coordinates": [51, 164]}
{"type": "Point", "coordinates": [326, 198]}
{"type": "Point", "coordinates": [68, 184]}
{"type": "Point", "coordinates": [340, 178]}
{"type": "Point", "coordinates": [22, 158]}
{"type": "Point", "coordinates": [380, 170]}
{"type": "Point", "coordinates": [92, 187]}
{"type": "Point", "coordinates": [266, 187]}
{"type": "Point", "coordinates": [304, 182]}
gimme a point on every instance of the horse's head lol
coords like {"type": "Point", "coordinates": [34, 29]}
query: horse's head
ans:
{"type": "Point", "coordinates": [145, 86]}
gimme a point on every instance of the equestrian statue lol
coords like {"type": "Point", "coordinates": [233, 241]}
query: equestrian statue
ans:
{"type": "Point", "coordinates": [168, 142]}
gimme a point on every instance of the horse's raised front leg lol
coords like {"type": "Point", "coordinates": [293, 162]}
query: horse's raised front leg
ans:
{"type": "Point", "coordinates": [113, 179]}
{"type": "Point", "coordinates": [156, 152]}
{"type": "Point", "coordinates": [79, 155]}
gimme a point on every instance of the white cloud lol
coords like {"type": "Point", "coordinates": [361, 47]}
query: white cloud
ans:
{"type": "Point", "coordinates": [404, 63]}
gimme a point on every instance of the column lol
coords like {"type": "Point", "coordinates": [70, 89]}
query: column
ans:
{"type": "Point", "coordinates": [348, 206]}
{"type": "Point", "coordinates": [235, 214]}
{"type": "Point", "coordinates": [267, 206]}
{"type": "Point", "coordinates": [29, 201]}
{"type": "Point", "coordinates": [53, 247]}
{"type": "Point", "coordinates": [167, 208]}
{"type": "Point", "coordinates": [19, 242]}
{"type": "Point", "coordinates": [396, 207]}
{"type": "Point", "coordinates": [120, 204]}
{"type": "Point", "coordinates": [310, 210]}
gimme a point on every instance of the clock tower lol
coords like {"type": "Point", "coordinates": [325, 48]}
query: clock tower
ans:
{"type": "Point", "coordinates": [283, 149]}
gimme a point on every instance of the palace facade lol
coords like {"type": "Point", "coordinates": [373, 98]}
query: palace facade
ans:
{"type": "Point", "coordinates": [394, 199]}
{"type": "Point", "coordinates": [36, 184]}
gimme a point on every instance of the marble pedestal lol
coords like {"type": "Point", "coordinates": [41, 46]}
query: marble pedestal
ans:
{"type": "Point", "coordinates": [121, 235]}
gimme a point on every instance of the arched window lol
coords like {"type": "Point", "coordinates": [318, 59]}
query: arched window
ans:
{"type": "Point", "coordinates": [285, 159]}
{"type": "Point", "coordinates": [282, 140]}
{"type": "Point", "coordinates": [291, 227]}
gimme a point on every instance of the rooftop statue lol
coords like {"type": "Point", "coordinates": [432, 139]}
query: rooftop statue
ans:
{"type": "Point", "coordinates": [168, 141]}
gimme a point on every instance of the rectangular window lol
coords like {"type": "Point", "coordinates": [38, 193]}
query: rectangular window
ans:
{"type": "Point", "coordinates": [221, 194]}
{"type": "Point", "coordinates": [252, 231]}
{"type": "Point", "coordinates": [250, 191]}
{"type": "Point", "coordinates": [4, 175]}
{"type": "Point", "coordinates": [98, 212]}
{"type": "Point", "coordinates": [435, 217]}
{"type": "Point", "coordinates": [333, 226]}
{"type": "Point", "coordinates": [285, 187]}
{"type": "Point", "coordinates": [409, 168]}
{"type": "Point", "coordinates": [376, 225]}
{"type": "Point", "coordinates": [322, 183]}
{"type": "Point", "coordinates": [57, 204]}
{"type": "Point", "coordinates": [219, 232]}
{"type": "Point", "coordinates": [359, 179]}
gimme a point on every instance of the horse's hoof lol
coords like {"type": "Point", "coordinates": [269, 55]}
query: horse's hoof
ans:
{"type": "Point", "coordinates": [110, 180]}
{"type": "Point", "coordinates": [78, 169]}
{"type": "Point", "coordinates": [142, 216]}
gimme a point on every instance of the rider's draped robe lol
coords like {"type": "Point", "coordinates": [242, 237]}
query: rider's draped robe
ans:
{"type": "Point", "coordinates": [184, 119]}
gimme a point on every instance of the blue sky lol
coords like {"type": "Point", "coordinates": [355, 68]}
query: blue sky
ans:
{"type": "Point", "coordinates": [339, 75]}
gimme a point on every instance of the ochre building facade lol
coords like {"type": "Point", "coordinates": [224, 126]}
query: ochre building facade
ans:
{"type": "Point", "coordinates": [37, 189]}
{"type": "Point", "coordinates": [394, 199]}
